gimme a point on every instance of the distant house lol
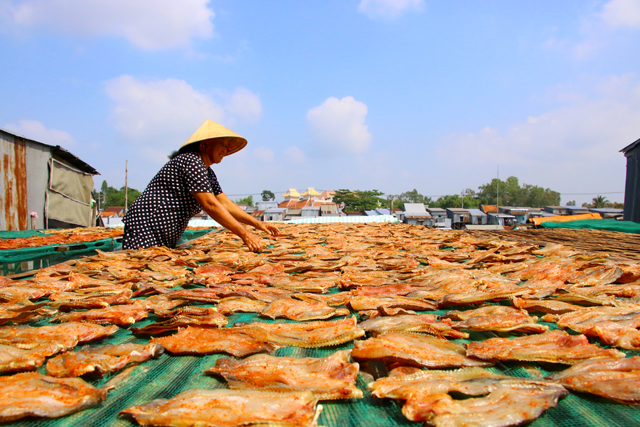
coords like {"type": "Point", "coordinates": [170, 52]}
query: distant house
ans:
{"type": "Point", "coordinates": [263, 206]}
{"type": "Point", "coordinates": [521, 214]}
{"type": "Point", "coordinates": [112, 215]}
{"type": "Point", "coordinates": [310, 211]}
{"type": "Point", "coordinates": [478, 217]}
{"type": "Point", "coordinates": [379, 211]}
{"type": "Point", "coordinates": [458, 217]}
{"type": "Point", "coordinates": [488, 208]}
{"type": "Point", "coordinates": [329, 209]}
{"type": "Point", "coordinates": [504, 220]}
{"type": "Point", "coordinates": [557, 210]}
{"type": "Point", "coordinates": [274, 214]}
{"type": "Point", "coordinates": [632, 183]}
{"type": "Point", "coordinates": [577, 210]}
{"type": "Point", "coordinates": [292, 214]}
{"type": "Point", "coordinates": [258, 214]}
{"type": "Point", "coordinates": [415, 213]}
{"type": "Point", "coordinates": [608, 213]}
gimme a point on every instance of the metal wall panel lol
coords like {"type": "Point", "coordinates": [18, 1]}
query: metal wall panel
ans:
{"type": "Point", "coordinates": [14, 213]}
{"type": "Point", "coordinates": [38, 156]}
{"type": "Point", "coordinates": [632, 186]}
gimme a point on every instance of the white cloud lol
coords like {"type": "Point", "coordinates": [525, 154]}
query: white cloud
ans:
{"type": "Point", "coordinates": [622, 14]}
{"type": "Point", "coordinates": [35, 130]}
{"type": "Point", "coordinates": [245, 105]}
{"type": "Point", "coordinates": [264, 154]}
{"type": "Point", "coordinates": [162, 114]}
{"type": "Point", "coordinates": [338, 126]}
{"type": "Point", "coordinates": [389, 9]}
{"type": "Point", "coordinates": [147, 24]}
{"type": "Point", "coordinates": [295, 154]}
{"type": "Point", "coordinates": [573, 148]}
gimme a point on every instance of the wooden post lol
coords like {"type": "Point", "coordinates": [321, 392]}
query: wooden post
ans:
{"type": "Point", "coordinates": [126, 188]}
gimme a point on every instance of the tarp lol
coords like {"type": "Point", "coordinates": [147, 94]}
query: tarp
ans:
{"type": "Point", "coordinates": [68, 197]}
{"type": "Point", "coordinates": [564, 218]}
{"type": "Point", "coordinates": [598, 224]}
{"type": "Point", "coordinates": [328, 219]}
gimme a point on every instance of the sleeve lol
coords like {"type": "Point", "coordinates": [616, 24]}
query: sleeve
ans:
{"type": "Point", "coordinates": [196, 175]}
{"type": "Point", "coordinates": [215, 185]}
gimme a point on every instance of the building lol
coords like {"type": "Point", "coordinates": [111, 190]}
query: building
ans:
{"type": "Point", "coordinates": [478, 217]}
{"type": "Point", "coordinates": [577, 210]}
{"type": "Point", "coordinates": [274, 214]}
{"type": "Point", "coordinates": [329, 209]}
{"type": "Point", "coordinates": [502, 219]}
{"type": "Point", "coordinates": [557, 210]}
{"type": "Point", "coordinates": [112, 215]}
{"type": "Point", "coordinates": [608, 213]}
{"type": "Point", "coordinates": [415, 213]}
{"type": "Point", "coordinates": [310, 211]}
{"type": "Point", "coordinates": [632, 183]}
{"type": "Point", "coordinates": [48, 186]}
{"type": "Point", "coordinates": [521, 214]}
{"type": "Point", "coordinates": [458, 217]}
{"type": "Point", "coordinates": [263, 206]}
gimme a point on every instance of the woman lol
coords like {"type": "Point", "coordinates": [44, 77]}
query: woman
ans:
{"type": "Point", "coordinates": [183, 187]}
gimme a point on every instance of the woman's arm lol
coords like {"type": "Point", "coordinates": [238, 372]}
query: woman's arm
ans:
{"type": "Point", "coordinates": [244, 217]}
{"type": "Point", "coordinates": [222, 215]}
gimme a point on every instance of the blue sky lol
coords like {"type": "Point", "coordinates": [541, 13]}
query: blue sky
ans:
{"type": "Point", "coordinates": [360, 94]}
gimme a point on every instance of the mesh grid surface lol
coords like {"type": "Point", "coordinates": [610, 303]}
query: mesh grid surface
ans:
{"type": "Point", "coordinates": [168, 375]}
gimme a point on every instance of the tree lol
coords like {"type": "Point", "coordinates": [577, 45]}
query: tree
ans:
{"type": "Point", "coordinates": [449, 201]}
{"type": "Point", "coordinates": [512, 194]}
{"type": "Point", "coordinates": [599, 202]}
{"type": "Point", "coordinates": [358, 200]}
{"type": "Point", "coordinates": [571, 203]}
{"type": "Point", "coordinates": [116, 197]}
{"type": "Point", "coordinates": [246, 201]}
{"type": "Point", "coordinates": [268, 195]}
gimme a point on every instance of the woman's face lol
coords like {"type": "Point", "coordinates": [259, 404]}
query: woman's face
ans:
{"type": "Point", "coordinates": [214, 151]}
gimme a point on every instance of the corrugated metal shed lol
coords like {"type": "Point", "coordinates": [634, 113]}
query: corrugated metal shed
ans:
{"type": "Point", "coordinates": [632, 184]}
{"type": "Point", "coordinates": [45, 179]}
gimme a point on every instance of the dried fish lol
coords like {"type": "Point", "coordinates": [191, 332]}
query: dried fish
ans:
{"type": "Point", "coordinates": [617, 379]}
{"type": "Point", "coordinates": [332, 377]}
{"type": "Point", "coordinates": [503, 401]}
{"type": "Point", "coordinates": [32, 394]}
{"type": "Point", "coordinates": [412, 323]}
{"type": "Point", "coordinates": [231, 408]}
{"type": "Point", "coordinates": [319, 333]}
{"type": "Point", "coordinates": [196, 340]}
{"type": "Point", "coordinates": [294, 309]}
{"type": "Point", "coordinates": [100, 360]}
{"type": "Point", "coordinates": [555, 347]}
{"type": "Point", "coordinates": [414, 349]}
{"type": "Point", "coordinates": [122, 315]}
{"type": "Point", "coordinates": [496, 318]}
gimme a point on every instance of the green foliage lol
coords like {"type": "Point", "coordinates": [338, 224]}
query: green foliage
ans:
{"type": "Point", "coordinates": [246, 201]}
{"type": "Point", "coordinates": [599, 202]}
{"type": "Point", "coordinates": [267, 195]}
{"type": "Point", "coordinates": [450, 201]}
{"type": "Point", "coordinates": [571, 203]}
{"type": "Point", "coordinates": [115, 197]}
{"type": "Point", "coordinates": [512, 194]}
{"type": "Point", "coordinates": [358, 200]}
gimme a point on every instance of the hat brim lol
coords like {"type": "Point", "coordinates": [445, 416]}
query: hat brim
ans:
{"type": "Point", "coordinates": [236, 143]}
{"type": "Point", "coordinates": [211, 130]}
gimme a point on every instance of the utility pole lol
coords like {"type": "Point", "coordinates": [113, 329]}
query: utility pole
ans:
{"type": "Point", "coordinates": [498, 190]}
{"type": "Point", "coordinates": [126, 188]}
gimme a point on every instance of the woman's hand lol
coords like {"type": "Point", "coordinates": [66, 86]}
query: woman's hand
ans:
{"type": "Point", "coordinates": [270, 229]}
{"type": "Point", "coordinates": [252, 241]}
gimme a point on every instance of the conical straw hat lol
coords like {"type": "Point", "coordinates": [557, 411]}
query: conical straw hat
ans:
{"type": "Point", "coordinates": [212, 130]}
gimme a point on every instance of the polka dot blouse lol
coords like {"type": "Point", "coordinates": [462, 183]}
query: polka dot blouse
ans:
{"type": "Point", "coordinates": [161, 214]}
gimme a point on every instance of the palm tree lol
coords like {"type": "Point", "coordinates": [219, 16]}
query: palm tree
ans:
{"type": "Point", "coordinates": [599, 201]}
